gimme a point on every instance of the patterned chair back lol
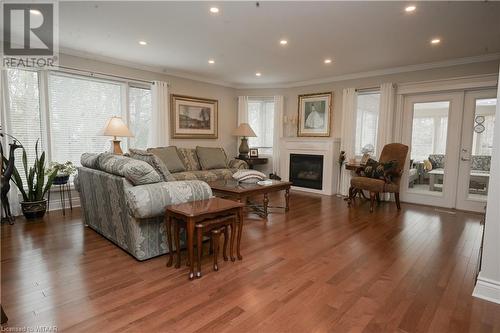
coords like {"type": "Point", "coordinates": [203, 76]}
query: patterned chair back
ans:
{"type": "Point", "coordinates": [395, 151]}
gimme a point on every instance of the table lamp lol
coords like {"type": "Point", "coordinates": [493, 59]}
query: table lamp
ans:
{"type": "Point", "coordinates": [244, 131]}
{"type": "Point", "coordinates": [116, 127]}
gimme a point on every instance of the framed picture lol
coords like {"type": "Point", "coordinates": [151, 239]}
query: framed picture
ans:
{"type": "Point", "coordinates": [193, 118]}
{"type": "Point", "coordinates": [253, 152]}
{"type": "Point", "coordinates": [315, 112]}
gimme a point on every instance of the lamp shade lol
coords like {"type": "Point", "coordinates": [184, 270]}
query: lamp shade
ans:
{"type": "Point", "coordinates": [116, 127]}
{"type": "Point", "coordinates": [244, 130]}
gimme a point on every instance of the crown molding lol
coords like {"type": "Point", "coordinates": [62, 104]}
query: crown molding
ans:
{"type": "Point", "coordinates": [352, 76]}
{"type": "Point", "coordinates": [380, 72]}
{"type": "Point", "coordinates": [148, 68]}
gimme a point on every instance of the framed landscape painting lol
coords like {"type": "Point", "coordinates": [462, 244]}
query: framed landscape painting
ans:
{"type": "Point", "coordinates": [193, 118]}
{"type": "Point", "coordinates": [315, 112]}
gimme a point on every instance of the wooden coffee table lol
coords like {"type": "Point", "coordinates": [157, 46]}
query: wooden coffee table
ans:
{"type": "Point", "coordinates": [241, 192]}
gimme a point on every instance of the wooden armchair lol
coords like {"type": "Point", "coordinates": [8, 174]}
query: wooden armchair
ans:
{"type": "Point", "coordinates": [390, 152]}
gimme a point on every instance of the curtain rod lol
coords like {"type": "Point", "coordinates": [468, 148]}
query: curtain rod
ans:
{"type": "Point", "coordinates": [105, 75]}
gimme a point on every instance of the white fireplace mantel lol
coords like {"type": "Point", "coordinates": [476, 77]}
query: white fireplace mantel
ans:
{"type": "Point", "coordinates": [313, 146]}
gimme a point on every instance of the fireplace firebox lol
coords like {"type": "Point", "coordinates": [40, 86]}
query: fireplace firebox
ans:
{"type": "Point", "coordinates": [306, 171]}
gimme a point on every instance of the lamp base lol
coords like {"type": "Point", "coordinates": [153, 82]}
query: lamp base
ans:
{"type": "Point", "coordinates": [244, 147]}
{"type": "Point", "coordinates": [116, 148]}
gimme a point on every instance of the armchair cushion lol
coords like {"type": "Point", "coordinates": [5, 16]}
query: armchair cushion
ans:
{"type": "Point", "coordinates": [237, 164]}
{"type": "Point", "coordinates": [150, 200]}
{"type": "Point", "coordinates": [385, 171]}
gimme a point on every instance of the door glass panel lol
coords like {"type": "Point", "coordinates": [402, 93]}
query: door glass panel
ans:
{"type": "Point", "coordinates": [482, 145]}
{"type": "Point", "coordinates": [428, 147]}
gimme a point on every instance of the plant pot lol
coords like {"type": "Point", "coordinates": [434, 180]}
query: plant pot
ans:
{"type": "Point", "coordinates": [60, 179]}
{"type": "Point", "coordinates": [34, 209]}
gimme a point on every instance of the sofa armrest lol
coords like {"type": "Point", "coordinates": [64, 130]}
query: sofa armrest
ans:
{"type": "Point", "coordinates": [238, 164]}
{"type": "Point", "coordinates": [150, 200]}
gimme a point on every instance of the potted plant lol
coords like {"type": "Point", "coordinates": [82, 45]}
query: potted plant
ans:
{"type": "Point", "coordinates": [34, 204]}
{"type": "Point", "coordinates": [63, 172]}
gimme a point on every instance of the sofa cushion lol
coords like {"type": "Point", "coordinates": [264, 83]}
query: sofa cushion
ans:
{"type": "Point", "coordinates": [89, 160]}
{"type": "Point", "coordinates": [189, 158]}
{"type": "Point", "coordinates": [206, 175]}
{"type": "Point", "coordinates": [151, 200]}
{"type": "Point", "coordinates": [154, 161]}
{"type": "Point", "coordinates": [170, 157]}
{"type": "Point", "coordinates": [135, 171]}
{"type": "Point", "coordinates": [211, 158]}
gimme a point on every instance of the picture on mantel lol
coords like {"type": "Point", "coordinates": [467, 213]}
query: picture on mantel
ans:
{"type": "Point", "coordinates": [315, 112]}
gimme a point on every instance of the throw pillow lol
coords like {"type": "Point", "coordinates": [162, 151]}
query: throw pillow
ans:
{"type": "Point", "coordinates": [249, 176]}
{"type": "Point", "coordinates": [154, 161]}
{"type": "Point", "coordinates": [135, 171]}
{"type": "Point", "coordinates": [170, 157]}
{"type": "Point", "coordinates": [211, 158]}
{"type": "Point", "coordinates": [385, 171]}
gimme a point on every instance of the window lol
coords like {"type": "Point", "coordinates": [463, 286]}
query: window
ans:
{"type": "Point", "coordinates": [368, 106]}
{"type": "Point", "coordinates": [261, 119]}
{"type": "Point", "coordinates": [78, 107]}
{"type": "Point", "coordinates": [429, 129]}
{"type": "Point", "coordinates": [24, 120]}
{"type": "Point", "coordinates": [139, 116]}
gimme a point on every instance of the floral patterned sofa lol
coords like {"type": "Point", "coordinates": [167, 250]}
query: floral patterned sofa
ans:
{"type": "Point", "coordinates": [124, 200]}
{"type": "Point", "coordinates": [194, 170]}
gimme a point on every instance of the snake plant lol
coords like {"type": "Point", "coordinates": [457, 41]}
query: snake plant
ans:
{"type": "Point", "coordinates": [37, 184]}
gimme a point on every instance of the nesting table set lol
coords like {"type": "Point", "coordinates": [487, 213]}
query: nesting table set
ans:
{"type": "Point", "coordinates": [216, 216]}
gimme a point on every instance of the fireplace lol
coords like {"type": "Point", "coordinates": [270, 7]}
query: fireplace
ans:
{"type": "Point", "coordinates": [306, 171]}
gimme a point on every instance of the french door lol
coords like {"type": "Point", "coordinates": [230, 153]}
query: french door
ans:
{"type": "Point", "coordinates": [475, 151]}
{"type": "Point", "coordinates": [450, 136]}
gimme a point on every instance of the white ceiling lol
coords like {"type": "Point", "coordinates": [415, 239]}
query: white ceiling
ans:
{"type": "Point", "coordinates": [244, 39]}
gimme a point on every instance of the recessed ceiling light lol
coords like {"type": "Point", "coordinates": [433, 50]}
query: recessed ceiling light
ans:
{"type": "Point", "coordinates": [258, 74]}
{"type": "Point", "coordinates": [328, 61]}
{"type": "Point", "coordinates": [435, 41]}
{"type": "Point", "coordinates": [211, 61]}
{"type": "Point", "coordinates": [283, 42]}
{"type": "Point", "coordinates": [142, 42]}
{"type": "Point", "coordinates": [35, 12]}
{"type": "Point", "coordinates": [410, 9]}
{"type": "Point", "coordinates": [214, 10]}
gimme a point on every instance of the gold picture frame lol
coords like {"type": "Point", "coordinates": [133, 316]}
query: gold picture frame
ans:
{"type": "Point", "coordinates": [193, 117]}
{"type": "Point", "coordinates": [314, 114]}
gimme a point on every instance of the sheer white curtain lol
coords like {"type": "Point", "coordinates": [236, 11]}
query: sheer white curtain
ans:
{"type": "Point", "coordinates": [160, 130]}
{"type": "Point", "coordinates": [242, 115]}
{"type": "Point", "coordinates": [386, 116]}
{"type": "Point", "coordinates": [13, 196]}
{"type": "Point", "coordinates": [347, 136]}
{"type": "Point", "coordinates": [278, 132]}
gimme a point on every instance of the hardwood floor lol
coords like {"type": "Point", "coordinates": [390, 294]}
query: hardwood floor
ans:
{"type": "Point", "coordinates": [320, 267]}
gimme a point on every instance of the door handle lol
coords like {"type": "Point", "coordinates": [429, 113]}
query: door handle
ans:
{"type": "Point", "coordinates": [465, 159]}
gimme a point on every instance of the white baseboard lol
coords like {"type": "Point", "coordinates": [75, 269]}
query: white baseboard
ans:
{"type": "Point", "coordinates": [487, 289]}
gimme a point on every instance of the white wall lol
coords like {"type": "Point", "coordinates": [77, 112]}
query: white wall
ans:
{"type": "Point", "coordinates": [488, 283]}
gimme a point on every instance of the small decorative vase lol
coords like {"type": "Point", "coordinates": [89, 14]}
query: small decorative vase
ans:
{"type": "Point", "coordinates": [34, 209]}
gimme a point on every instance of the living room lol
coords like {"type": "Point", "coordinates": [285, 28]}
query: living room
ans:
{"type": "Point", "coordinates": [348, 164]}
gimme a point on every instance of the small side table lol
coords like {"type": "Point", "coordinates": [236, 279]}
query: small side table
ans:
{"type": "Point", "coordinates": [251, 161]}
{"type": "Point", "coordinates": [64, 192]}
{"type": "Point", "coordinates": [195, 212]}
